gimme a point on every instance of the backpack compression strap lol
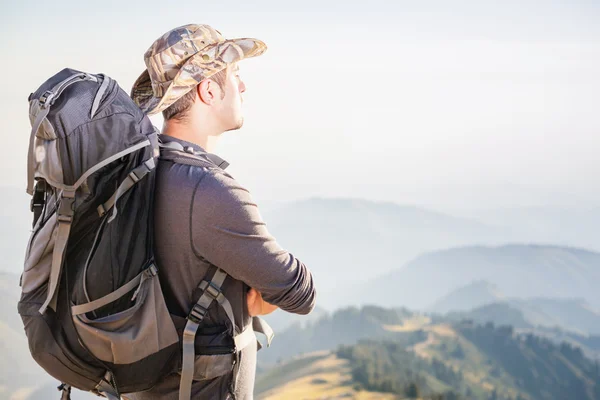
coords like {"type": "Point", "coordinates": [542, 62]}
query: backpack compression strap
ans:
{"type": "Point", "coordinates": [65, 218]}
{"type": "Point", "coordinates": [132, 178]}
{"type": "Point", "coordinates": [46, 101]}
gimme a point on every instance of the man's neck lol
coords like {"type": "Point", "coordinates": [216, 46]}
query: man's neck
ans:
{"type": "Point", "coordinates": [193, 134]}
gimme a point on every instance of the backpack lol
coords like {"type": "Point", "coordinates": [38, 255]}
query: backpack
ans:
{"type": "Point", "coordinates": [92, 303]}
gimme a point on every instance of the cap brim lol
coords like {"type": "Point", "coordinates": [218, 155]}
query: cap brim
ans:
{"type": "Point", "coordinates": [210, 60]}
{"type": "Point", "coordinates": [142, 93]}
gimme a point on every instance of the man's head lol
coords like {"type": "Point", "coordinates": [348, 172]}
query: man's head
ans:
{"type": "Point", "coordinates": [217, 99]}
{"type": "Point", "coordinates": [198, 62]}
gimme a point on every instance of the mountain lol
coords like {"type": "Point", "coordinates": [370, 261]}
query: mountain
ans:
{"type": "Point", "coordinates": [280, 320]}
{"type": "Point", "coordinates": [497, 313]}
{"type": "Point", "coordinates": [573, 314]}
{"type": "Point", "coordinates": [517, 313]}
{"type": "Point", "coordinates": [522, 271]}
{"type": "Point", "coordinates": [346, 241]}
{"type": "Point", "coordinates": [465, 298]}
{"type": "Point", "coordinates": [408, 355]}
{"type": "Point", "coordinates": [344, 326]}
{"type": "Point", "coordinates": [481, 297]}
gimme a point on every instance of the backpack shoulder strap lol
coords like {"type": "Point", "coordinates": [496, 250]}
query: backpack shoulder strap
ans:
{"type": "Point", "coordinates": [175, 152]}
{"type": "Point", "coordinates": [211, 291]}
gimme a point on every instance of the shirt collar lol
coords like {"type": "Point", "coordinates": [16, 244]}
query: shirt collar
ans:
{"type": "Point", "coordinates": [215, 159]}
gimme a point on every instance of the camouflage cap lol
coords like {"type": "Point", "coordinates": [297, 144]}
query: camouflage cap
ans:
{"type": "Point", "coordinates": [181, 58]}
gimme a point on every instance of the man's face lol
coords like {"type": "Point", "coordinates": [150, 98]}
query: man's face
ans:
{"type": "Point", "coordinates": [229, 108]}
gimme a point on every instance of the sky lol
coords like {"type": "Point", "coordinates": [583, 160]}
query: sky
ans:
{"type": "Point", "coordinates": [445, 104]}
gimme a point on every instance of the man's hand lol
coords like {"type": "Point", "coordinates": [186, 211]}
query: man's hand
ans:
{"type": "Point", "coordinates": [256, 304]}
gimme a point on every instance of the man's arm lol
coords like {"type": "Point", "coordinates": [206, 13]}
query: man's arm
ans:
{"type": "Point", "coordinates": [228, 231]}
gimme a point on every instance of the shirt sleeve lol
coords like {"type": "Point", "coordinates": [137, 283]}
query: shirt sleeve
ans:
{"type": "Point", "coordinates": [228, 231]}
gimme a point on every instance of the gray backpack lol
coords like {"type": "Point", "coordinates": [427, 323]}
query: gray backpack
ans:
{"type": "Point", "coordinates": [91, 303]}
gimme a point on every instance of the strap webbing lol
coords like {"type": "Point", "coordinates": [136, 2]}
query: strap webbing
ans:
{"type": "Point", "coordinates": [120, 292]}
{"type": "Point", "coordinates": [193, 154]}
{"type": "Point", "coordinates": [134, 177]}
{"type": "Point", "coordinates": [221, 299]}
{"type": "Point", "coordinates": [172, 145]}
{"type": "Point", "coordinates": [211, 292]}
{"type": "Point", "coordinates": [107, 161]}
{"type": "Point", "coordinates": [31, 155]}
{"type": "Point", "coordinates": [260, 325]}
{"type": "Point", "coordinates": [99, 94]}
{"type": "Point", "coordinates": [59, 88]}
{"type": "Point", "coordinates": [244, 339]}
{"type": "Point", "coordinates": [65, 218]}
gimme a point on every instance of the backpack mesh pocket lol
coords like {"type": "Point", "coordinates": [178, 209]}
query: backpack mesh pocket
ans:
{"type": "Point", "coordinates": [133, 334]}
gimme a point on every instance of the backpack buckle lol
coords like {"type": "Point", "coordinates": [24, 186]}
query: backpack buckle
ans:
{"type": "Point", "coordinates": [66, 209]}
{"type": "Point", "coordinates": [212, 291]}
{"type": "Point", "coordinates": [46, 98]}
{"type": "Point", "coordinates": [33, 204]}
{"type": "Point", "coordinates": [38, 200]}
{"type": "Point", "coordinates": [152, 270]}
{"type": "Point", "coordinates": [197, 314]}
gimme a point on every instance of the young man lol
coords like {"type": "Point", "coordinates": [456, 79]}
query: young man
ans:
{"type": "Point", "coordinates": [203, 218]}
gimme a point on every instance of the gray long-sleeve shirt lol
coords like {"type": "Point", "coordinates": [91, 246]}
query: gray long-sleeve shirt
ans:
{"type": "Point", "coordinates": [203, 217]}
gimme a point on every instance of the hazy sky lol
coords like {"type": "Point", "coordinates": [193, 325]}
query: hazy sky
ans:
{"type": "Point", "coordinates": [439, 103]}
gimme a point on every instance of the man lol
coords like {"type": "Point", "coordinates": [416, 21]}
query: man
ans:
{"type": "Point", "coordinates": [203, 217]}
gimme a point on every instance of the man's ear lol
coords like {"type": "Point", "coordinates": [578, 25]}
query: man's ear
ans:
{"type": "Point", "coordinates": [207, 91]}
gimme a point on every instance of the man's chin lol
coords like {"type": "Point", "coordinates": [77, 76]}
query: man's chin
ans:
{"type": "Point", "coordinates": [237, 126]}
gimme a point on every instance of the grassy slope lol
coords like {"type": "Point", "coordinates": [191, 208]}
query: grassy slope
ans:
{"type": "Point", "coordinates": [323, 375]}
{"type": "Point", "coordinates": [313, 376]}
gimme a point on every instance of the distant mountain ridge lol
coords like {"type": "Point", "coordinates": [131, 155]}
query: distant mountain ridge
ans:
{"type": "Point", "coordinates": [572, 314]}
{"type": "Point", "coordinates": [522, 271]}
{"type": "Point", "coordinates": [467, 297]}
{"type": "Point", "coordinates": [346, 241]}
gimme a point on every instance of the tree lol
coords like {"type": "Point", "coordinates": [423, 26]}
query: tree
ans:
{"type": "Point", "coordinates": [412, 391]}
{"type": "Point", "coordinates": [494, 395]}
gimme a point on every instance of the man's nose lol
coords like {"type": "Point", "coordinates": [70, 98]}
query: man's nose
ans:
{"type": "Point", "coordinates": [242, 87]}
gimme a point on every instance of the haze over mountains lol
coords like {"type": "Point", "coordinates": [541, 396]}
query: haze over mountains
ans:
{"type": "Point", "coordinates": [517, 270]}
{"type": "Point", "coordinates": [346, 241]}
{"type": "Point", "coordinates": [19, 371]}
{"type": "Point", "coordinates": [350, 241]}
{"type": "Point", "coordinates": [364, 252]}
{"type": "Point", "coordinates": [485, 301]}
